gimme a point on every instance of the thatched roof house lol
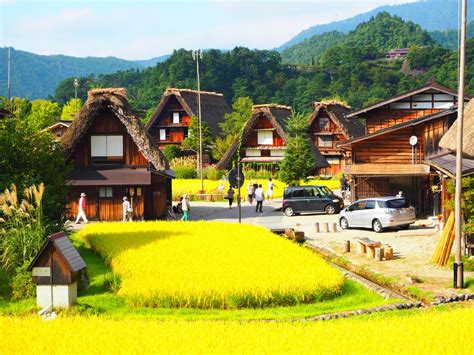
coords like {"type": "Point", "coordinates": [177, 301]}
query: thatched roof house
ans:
{"type": "Point", "coordinates": [213, 106]}
{"type": "Point", "coordinates": [114, 158]}
{"type": "Point", "coordinates": [114, 100]}
{"type": "Point", "coordinates": [277, 116]}
{"type": "Point", "coordinates": [448, 141]}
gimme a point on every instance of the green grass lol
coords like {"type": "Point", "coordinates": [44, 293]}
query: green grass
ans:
{"type": "Point", "coordinates": [468, 263]}
{"type": "Point", "coordinates": [100, 299]}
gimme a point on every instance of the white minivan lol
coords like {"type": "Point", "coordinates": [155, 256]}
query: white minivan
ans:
{"type": "Point", "coordinates": [378, 213]}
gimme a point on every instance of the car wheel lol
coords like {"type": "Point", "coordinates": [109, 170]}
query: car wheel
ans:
{"type": "Point", "coordinates": [377, 226]}
{"type": "Point", "coordinates": [329, 209]}
{"type": "Point", "coordinates": [344, 223]}
{"type": "Point", "coordinates": [405, 226]}
{"type": "Point", "coordinates": [289, 211]}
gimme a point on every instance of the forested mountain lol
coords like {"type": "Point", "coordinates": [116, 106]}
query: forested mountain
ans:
{"type": "Point", "coordinates": [354, 70]}
{"type": "Point", "coordinates": [309, 51]}
{"type": "Point", "coordinates": [449, 39]}
{"type": "Point", "coordinates": [383, 32]}
{"type": "Point", "coordinates": [432, 15]}
{"type": "Point", "coordinates": [37, 76]}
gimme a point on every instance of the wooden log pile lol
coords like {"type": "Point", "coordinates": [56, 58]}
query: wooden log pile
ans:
{"type": "Point", "coordinates": [445, 243]}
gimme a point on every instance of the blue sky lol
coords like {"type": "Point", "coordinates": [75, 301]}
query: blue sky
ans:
{"type": "Point", "coordinates": [143, 29]}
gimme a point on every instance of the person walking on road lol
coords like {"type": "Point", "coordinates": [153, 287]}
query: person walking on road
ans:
{"type": "Point", "coordinates": [343, 182]}
{"type": "Point", "coordinates": [250, 192]}
{"type": "Point", "coordinates": [270, 186]}
{"type": "Point", "coordinates": [230, 196]}
{"type": "Point", "coordinates": [259, 196]}
{"type": "Point", "coordinates": [186, 207]}
{"type": "Point", "coordinates": [82, 209]}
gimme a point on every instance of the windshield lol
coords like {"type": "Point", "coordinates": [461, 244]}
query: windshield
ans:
{"type": "Point", "coordinates": [396, 203]}
{"type": "Point", "coordinates": [326, 191]}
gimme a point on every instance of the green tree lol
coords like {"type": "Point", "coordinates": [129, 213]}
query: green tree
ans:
{"type": "Point", "coordinates": [234, 121]}
{"type": "Point", "coordinates": [298, 162]}
{"type": "Point", "coordinates": [42, 114]}
{"type": "Point", "coordinates": [30, 158]}
{"type": "Point", "coordinates": [70, 109]}
{"type": "Point", "coordinates": [191, 142]}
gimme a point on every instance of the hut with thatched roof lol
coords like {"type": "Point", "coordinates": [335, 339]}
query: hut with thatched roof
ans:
{"type": "Point", "coordinates": [263, 140]}
{"type": "Point", "coordinates": [115, 157]}
{"type": "Point", "coordinates": [170, 121]}
{"type": "Point", "coordinates": [58, 129]}
{"type": "Point", "coordinates": [328, 127]}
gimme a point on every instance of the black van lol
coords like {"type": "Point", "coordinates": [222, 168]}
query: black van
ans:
{"type": "Point", "coordinates": [314, 198]}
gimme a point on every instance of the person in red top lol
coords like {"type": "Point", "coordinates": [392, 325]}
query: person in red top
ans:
{"type": "Point", "coordinates": [82, 208]}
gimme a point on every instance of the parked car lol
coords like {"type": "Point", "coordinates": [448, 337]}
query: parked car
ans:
{"type": "Point", "coordinates": [297, 199]}
{"type": "Point", "coordinates": [378, 213]}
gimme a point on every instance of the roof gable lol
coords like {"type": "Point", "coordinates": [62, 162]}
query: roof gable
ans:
{"type": "Point", "coordinates": [213, 106]}
{"type": "Point", "coordinates": [115, 101]}
{"type": "Point", "coordinates": [429, 88]}
{"type": "Point", "coordinates": [448, 141]}
{"type": "Point", "coordinates": [337, 112]}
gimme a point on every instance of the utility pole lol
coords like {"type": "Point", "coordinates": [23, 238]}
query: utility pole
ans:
{"type": "Point", "coordinates": [76, 85]}
{"type": "Point", "coordinates": [458, 264]}
{"type": "Point", "coordinates": [9, 72]}
{"type": "Point", "coordinates": [197, 54]}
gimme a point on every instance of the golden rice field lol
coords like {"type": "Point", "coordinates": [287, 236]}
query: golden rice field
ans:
{"type": "Point", "coordinates": [210, 265]}
{"type": "Point", "coordinates": [193, 186]}
{"type": "Point", "coordinates": [417, 332]}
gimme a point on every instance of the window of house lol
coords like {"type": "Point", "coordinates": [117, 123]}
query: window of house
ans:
{"type": "Point", "coordinates": [265, 137]}
{"type": "Point", "coordinates": [325, 141]}
{"type": "Point", "coordinates": [106, 147]}
{"type": "Point", "coordinates": [265, 153]}
{"type": "Point", "coordinates": [162, 134]}
{"type": "Point", "coordinates": [324, 123]}
{"type": "Point", "coordinates": [105, 192]}
{"type": "Point", "coordinates": [175, 117]}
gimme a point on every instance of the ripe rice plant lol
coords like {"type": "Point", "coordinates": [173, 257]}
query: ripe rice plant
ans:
{"type": "Point", "coordinates": [416, 332]}
{"type": "Point", "coordinates": [210, 265]}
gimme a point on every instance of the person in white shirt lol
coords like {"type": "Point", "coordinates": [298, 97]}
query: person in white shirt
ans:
{"type": "Point", "coordinates": [259, 196]}
{"type": "Point", "coordinates": [250, 192]}
{"type": "Point", "coordinates": [126, 210]}
{"type": "Point", "coordinates": [186, 207]}
{"type": "Point", "coordinates": [270, 186]}
{"type": "Point", "coordinates": [82, 209]}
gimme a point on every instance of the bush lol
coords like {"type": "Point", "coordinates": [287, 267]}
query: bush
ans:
{"type": "Point", "coordinates": [22, 285]}
{"type": "Point", "coordinates": [185, 172]}
{"type": "Point", "coordinates": [172, 151]}
{"type": "Point", "coordinates": [211, 173]}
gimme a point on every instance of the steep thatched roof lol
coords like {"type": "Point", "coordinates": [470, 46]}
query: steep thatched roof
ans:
{"type": "Point", "coordinates": [448, 141]}
{"type": "Point", "coordinates": [114, 100]}
{"type": "Point", "coordinates": [277, 115]}
{"type": "Point", "coordinates": [337, 111]}
{"type": "Point", "coordinates": [213, 106]}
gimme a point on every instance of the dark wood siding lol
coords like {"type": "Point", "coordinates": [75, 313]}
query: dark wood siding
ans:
{"type": "Point", "coordinates": [383, 117]}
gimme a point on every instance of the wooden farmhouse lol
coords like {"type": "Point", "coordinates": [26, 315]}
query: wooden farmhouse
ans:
{"type": "Point", "coordinates": [263, 140]}
{"type": "Point", "coordinates": [58, 129]}
{"type": "Point", "coordinates": [170, 122]}
{"type": "Point", "coordinates": [328, 127]}
{"type": "Point", "coordinates": [114, 156]}
{"type": "Point", "coordinates": [403, 133]}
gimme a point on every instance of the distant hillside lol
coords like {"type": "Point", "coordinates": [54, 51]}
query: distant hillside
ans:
{"type": "Point", "coordinates": [309, 51]}
{"type": "Point", "coordinates": [37, 76]}
{"type": "Point", "coordinates": [432, 15]}
{"type": "Point", "coordinates": [153, 61]}
{"type": "Point", "coordinates": [449, 38]}
{"type": "Point", "coordinates": [382, 33]}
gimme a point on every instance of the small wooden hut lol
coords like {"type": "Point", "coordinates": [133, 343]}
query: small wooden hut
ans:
{"type": "Point", "coordinates": [114, 156]}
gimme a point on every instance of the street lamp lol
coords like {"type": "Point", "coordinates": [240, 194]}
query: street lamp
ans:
{"type": "Point", "coordinates": [197, 54]}
{"type": "Point", "coordinates": [76, 85]}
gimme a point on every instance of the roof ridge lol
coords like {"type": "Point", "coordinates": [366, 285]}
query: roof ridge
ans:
{"type": "Point", "coordinates": [112, 91]}
{"type": "Point", "coordinates": [271, 106]}
{"type": "Point", "coordinates": [178, 91]}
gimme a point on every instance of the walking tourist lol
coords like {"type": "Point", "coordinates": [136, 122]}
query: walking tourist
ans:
{"type": "Point", "coordinates": [270, 186]}
{"type": "Point", "coordinates": [250, 192]}
{"type": "Point", "coordinates": [126, 210]}
{"type": "Point", "coordinates": [186, 207]}
{"type": "Point", "coordinates": [230, 196]}
{"type": "Point", "coordinates": [259, 196]}
{"type": "Point", "coordinates": [82, 208]}
{"type": "Point", "coordinates": [343, 182]}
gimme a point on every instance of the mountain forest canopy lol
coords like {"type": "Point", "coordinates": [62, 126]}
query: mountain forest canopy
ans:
{"type": "Point", "coordinates": [354, 69]}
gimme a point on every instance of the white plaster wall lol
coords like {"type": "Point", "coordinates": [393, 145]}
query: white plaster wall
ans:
{"type": "Point", "coordinates": [63, 295]}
